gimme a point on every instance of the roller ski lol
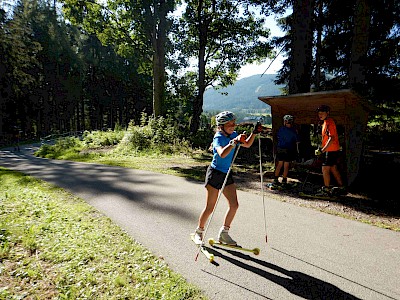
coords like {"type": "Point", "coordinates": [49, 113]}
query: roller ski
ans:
{"type": "Point", "coordinates": [326, 193]}
{"type": "Point", "coordinates": [224, 240]}
{"type": "Point", "coordinates": [277, 186]}
{"type": "Point", "coordinates": [213, 243]}
{"type": "Point", "coordinates": [274, 186]}
{"type": "Point", "coordinates": [203, 250]}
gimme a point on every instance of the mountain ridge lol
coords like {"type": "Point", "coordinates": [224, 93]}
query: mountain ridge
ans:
{"type": "Point", "coordinates": [243, 94]}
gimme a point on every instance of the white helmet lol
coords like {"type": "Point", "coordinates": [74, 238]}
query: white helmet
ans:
{"type": "Point", "coordinates": [224, 117]}
{"type": "Point", "coordinates": [288, 118]}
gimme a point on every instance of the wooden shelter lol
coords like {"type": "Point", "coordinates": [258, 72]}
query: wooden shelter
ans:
{"type": "Point", "coordinates": [348, 109]}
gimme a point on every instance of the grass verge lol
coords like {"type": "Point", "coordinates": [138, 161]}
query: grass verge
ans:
{"type": "Point", "coordinates": [55, 246]}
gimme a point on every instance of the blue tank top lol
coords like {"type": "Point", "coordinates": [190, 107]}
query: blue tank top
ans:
{"type": "Point", "coordinates": [287, 138]}
{"type": "Point", "coordinates": [220, 140]}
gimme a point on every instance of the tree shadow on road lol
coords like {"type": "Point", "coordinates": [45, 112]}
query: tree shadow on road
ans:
{"type": "Point", "coordinates": [297, 283]}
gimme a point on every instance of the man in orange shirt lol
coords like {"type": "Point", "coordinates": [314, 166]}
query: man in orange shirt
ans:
{"type": "Point", "coordinates": [329, 151]}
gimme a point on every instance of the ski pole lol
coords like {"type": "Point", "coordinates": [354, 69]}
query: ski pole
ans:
{"type": "Point", "coordinates": [308, 173]}
{"type": "Point", "coordinates": [262, 189]}
{"type": "Point", "coordinates": [215, 206]}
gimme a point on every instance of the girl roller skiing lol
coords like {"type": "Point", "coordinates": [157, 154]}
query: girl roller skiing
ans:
{"type": "Point", "coordinates": [224, 143]}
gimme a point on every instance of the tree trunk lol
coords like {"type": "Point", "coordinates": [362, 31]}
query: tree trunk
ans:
{"type": "Point", "coordinates": [362, 17]}
{"type": "Point", "coordinates": [301, 54]}
{"type": "Point", "coordinates": [301, 58]}
{"type": "Point", "coordinates": [318, 47]}
{"type": "Point", "coordinates": [203, 23]}
{"type": "Point", "coordinates": [159, 38]}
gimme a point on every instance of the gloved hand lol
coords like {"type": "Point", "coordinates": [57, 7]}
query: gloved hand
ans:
{"type": "Point", "coordinates": [318, 152]}
{"type": "Point", "coordinates": [257, 128]}
{"type": "Point", "coordinates": [241, 138]}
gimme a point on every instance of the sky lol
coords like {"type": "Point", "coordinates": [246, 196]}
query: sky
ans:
{"type": "Point", "coordinates": [255, 69]}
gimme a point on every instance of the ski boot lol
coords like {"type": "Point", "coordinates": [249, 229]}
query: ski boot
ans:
{"type": "Point", "coordinates": [324, 192]}
{"type": "Point", "coordinates": [198, 236]}
{"type": "Point", "coordinates": [225, 238]}
{"type": "Point", "coordinates": [339, 191]}
{"type": "Point", "coordinates": [275, 185]}
{"type": "Point", "coordinates": [285, 185]}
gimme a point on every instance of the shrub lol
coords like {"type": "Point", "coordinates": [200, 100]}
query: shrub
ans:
{"type": "Point", "coordinates": [97, 139]}
{"type": "Point", "coordinates": [203, 138]}
{"type": "Point", "coordinates": [137, 138]}
{"type": "Point", "coordinates": [70, 144]}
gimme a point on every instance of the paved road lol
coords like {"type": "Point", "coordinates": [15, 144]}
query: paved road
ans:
{"type": "Point", "coordinates": [309, 255]}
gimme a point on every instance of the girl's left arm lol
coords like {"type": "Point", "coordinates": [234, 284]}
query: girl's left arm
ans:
{"type": "Point", "coordinates": [249, 140]}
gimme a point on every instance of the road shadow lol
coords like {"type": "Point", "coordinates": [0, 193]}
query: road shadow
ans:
{"type": "Point", "coordinates": [96, 180]}
{"type": "Point", "coordinates": [297, 283]}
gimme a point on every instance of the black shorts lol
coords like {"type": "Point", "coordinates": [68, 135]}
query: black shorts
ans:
{"type": "Point", "coordinates": [287, 155]}
{"type": "Point", "coordinates": [216, 178]}
{"type": "Point", "coordinates": [330, 158]}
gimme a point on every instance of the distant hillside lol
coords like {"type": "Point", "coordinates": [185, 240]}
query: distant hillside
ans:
{"type": "Point", "coordinates": [242, 95]}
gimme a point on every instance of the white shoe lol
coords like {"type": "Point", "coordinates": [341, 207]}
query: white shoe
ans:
{"type": "Point", "coordinates": [198, 236]}
{"type": "Point", "coordinates": [225, 238]}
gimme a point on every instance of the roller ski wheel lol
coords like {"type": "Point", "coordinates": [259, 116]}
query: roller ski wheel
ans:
{"type": "Point", "coordinates": [274, 187]}
{"type": "Point", "coordinates": [317, 196]}
{"type": "Point", "coordinates": [213, 243]}
{"type": "Point", "coordinates": [339, 191]}
{"type": "Point", "coordinates": [281, 186]}
{"type": "Point", "coordinates": [203, 250]}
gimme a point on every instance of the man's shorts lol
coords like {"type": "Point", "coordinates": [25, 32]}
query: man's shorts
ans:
{"type": "Point", "coordinates": [285, 155]}
{"type": "Point", "coordinates": [216, 178]}
{"type": "Point", "coordinates": [330, 158]}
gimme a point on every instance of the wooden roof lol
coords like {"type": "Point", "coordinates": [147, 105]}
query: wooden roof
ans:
{"type": "Point", "coordinates": [303, 106]}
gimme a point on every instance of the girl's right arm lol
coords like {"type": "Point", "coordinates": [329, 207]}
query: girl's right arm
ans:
{"type": "Point", "coordinates": [224, 151]}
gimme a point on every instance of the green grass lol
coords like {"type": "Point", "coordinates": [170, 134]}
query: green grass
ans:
{"type": "Point", "coordinates": [55, 246]}
{"type": "Point", "coordinates": [190, 166]}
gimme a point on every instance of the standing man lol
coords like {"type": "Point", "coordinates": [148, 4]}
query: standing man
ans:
{"type": "Point", "coordinates": [287, 148]}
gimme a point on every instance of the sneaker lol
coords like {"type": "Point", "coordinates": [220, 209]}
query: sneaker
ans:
{"type": "Point", "coordinates": [198, 236]}
{"type": "Point", "coordinates": [225, 238]}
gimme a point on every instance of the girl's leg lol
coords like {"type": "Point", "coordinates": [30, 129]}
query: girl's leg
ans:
{"type": "Point", "coordinates": [231, 196]}
{"type": "Point", "coordinates": [212, 196]}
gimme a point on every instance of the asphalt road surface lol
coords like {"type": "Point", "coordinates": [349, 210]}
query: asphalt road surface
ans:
{"type": "Point", "coordinates": [309, 254]}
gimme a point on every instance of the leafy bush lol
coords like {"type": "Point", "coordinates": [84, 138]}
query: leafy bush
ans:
{"type": "Point", "coordinates": [384, 136]}
{"type": "Point", "coordinates": [136, 138]}
{"type": "Point", "coordinates": [159, 134]}
{"type": "Point", "coordinates": [97, 139]}
{"type": "Point", "coordinates": [164, 130]}
{"type": "Point", "coordinates": [202, 138]}
{"type": "Point", "coordinates": [44, 150]}
{"type": "Point", "coordinates": [70, 144]}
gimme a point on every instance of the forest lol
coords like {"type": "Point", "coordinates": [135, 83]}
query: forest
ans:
{"type": "Point", "coordinates": [77, 65]}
